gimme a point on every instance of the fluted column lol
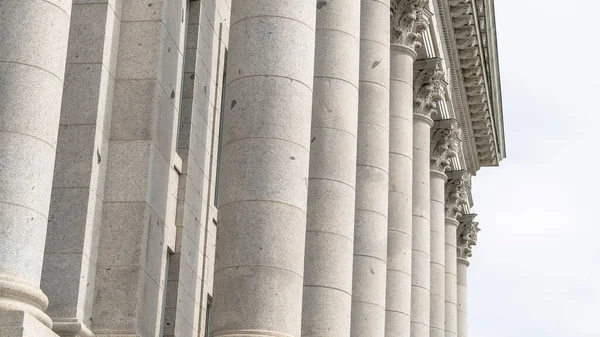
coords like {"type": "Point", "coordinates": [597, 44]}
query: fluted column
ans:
{"type": "Point", "coordinates": [444, 146]}
{"type": "Point", "coordinates": [428, 89]}
{"type": "Point", "coordinates": [456, 201]}
{"type": "Point", "coordinates": [467, 237]}
{"type": "Point", "coordinates": [406, 26]}
{"type": "Point", "coordinates": [327, 298]}
{"type": "Point", "coordinates": [33, 37]}
{"type": "Point", "coordinates": [266, 139]}
{"type": "Point", "coordinates": [370, 220]}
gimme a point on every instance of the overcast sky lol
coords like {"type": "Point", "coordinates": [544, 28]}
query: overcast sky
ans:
{"type": "Point", "coordinates": [536, 268]}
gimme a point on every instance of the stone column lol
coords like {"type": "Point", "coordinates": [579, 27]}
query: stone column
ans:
{"type": "Point", "coordinates": [467, 238]}
{"type": "Point", "coordinates": [450, 286]}
{"type": "Point", "coordinates": [462, 323]}
{"type": "Point", "coordinates": [406, 27]}
{"type": "Point", "coordinates": [32, 65]}
{"type": "Point", "coordinates": [327, 296]}
{"type": "Point", "coordinates": [428, 89]}
{"type": "Point", "coordinates": [371, 220]}
{"type": "Point", "coordinates": [455, 202]}
{"type": "Point", "coordinates": [259, 263]}
{"type": "Point", "coordinates": [436, 320]}
{"type": "Point", "coordinates": [444, 146]}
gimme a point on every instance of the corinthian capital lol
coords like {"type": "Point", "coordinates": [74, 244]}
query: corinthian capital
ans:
{"type": "Point", "coordinates": [429, 86]}
{"type": "Point", "coordinates": [457, 189]}
{"type": "Point", "coordinates": [445, 140]}
{"type": "Point", "coordinates": [466, 235]}
{"type": "Point", "coordinates": [409, 18]}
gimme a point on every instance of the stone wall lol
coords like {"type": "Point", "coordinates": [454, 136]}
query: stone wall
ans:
{"type": "Point", "coordinates": [132, 225]}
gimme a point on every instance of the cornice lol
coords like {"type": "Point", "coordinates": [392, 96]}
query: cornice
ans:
{"type": "Point", "coordinates": [494, 69]}
{"type": "Point", "coordinates": [475, 86]}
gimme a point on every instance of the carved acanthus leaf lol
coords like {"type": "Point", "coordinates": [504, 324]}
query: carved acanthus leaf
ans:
{"type": "Point", "coordinates": [466, 235]}
{"type": "Point", "coordinates": [429, 89]}
{"type": "Point", "coordinates": [408, 20]}
{"type": "Point", "coordinates": [445, 141]}
{"type": "Point", "coordinates": [457, 190]}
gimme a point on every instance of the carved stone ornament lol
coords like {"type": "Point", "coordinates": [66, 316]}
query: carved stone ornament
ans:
{"type": "Point", "coordinates": [429, 88]}
{"type": "Point", "coordinates": [466, 236]}
{"type": "Point", "coordinates": [469, 27]}
{"type": "Point", "coordinates": [445, 141]}
{"type": "Point", "coordinates": [408, 21]}
{"type": "Point", "coordinates": [457, 193]}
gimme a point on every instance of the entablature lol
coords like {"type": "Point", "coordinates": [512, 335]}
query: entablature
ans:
{"type": "Point", "coordinates": [467, 30]}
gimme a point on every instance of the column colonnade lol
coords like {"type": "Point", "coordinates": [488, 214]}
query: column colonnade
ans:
{"type": "Point", "coordinates": [407, 23]}
{"type": "Point", "coordinates": [396, 288]}
{"type": "Point", "coordinates": [341, 210]}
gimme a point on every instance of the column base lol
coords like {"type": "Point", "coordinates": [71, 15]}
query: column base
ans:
{"type": "Point", "coordinates": [17, 295]}
{"type": "Point", "coordinates": [22, 324]}
{"type": "Point", "coordinates": [70, 327]}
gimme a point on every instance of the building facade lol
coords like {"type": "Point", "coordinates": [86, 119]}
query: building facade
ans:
{"type": "Point", "coordinates": [242, 168]}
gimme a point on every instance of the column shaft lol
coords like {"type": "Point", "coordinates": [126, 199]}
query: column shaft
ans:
{"type": "Point", "coordinates": [371, 221]}
{"type": "Point", "coordinates": [450, 294]}
{"type": "Point", "coordinates": [462, 297]}
{"type": "Point", "coordinates": [327, 298]}
{"type": "Point", "coordinates": [32, 65]}
{"type": "Point", "coordinates": [421, 243]}
{"type": "Point", "coordinates": [264, 169]}
{"type": "Point", "coordinates": [438, 214]}
{"type": "Point", "coordinates": [400, 208]}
